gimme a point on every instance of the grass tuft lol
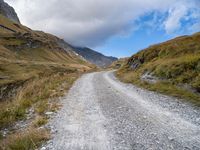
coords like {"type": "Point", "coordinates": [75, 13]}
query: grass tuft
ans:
{"type": "Point", "coordinates": [30, 139]}
{"type": "Point", "coordinates": [40, 121]}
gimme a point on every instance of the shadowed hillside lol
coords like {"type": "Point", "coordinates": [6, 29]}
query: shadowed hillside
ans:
{"type": "Point", "coordinates": [95, 57]}
{"type": "Point", "coordinates": [172, 67]}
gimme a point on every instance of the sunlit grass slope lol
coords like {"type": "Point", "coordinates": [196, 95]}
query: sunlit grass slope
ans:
{"type": "Point", "coordinates": [35, 68]}
{"type": "Point", "coordinates": [175, 64]}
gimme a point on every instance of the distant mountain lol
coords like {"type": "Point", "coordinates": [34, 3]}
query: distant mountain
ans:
{"type": "Point", "coordinates": [8, 11]}
{"type": "Point", "coordinates": [172, 67]}
{"type": "Point", "coordinates": [87, 53]}
{"type": "Point", "coordinates": [95, 57]}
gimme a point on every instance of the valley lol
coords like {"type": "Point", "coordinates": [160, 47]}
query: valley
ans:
{"type": "Point", "coordinates": [56, 95]}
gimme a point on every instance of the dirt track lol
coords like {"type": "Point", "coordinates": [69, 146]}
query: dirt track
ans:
{"type": "Point", "coordinates": [101, 113]}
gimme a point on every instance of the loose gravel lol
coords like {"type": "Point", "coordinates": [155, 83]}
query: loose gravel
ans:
{"type": "Point", "coordinates": [101, 113]}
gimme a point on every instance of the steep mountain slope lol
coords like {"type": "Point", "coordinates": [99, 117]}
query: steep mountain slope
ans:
{"type": "Point", "coordinates": [172, 67]}
{"type": "Point", "coordinates": [35, 69]}
{"type": "Point", "coordinates": [8, 11]}
{"type": "Point", "coordinates": [26, 46]}
{"type": "Point", "coordinates": [95, 57]}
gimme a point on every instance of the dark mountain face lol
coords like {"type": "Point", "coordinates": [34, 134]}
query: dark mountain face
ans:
{"type": "Point", "coordinates": [8, 11]}
{"type": "Point", "coordinates": [95, 57]}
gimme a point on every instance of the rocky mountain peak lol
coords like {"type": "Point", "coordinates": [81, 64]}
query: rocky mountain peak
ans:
{"type": "Point", "coordinates": [8, 11]}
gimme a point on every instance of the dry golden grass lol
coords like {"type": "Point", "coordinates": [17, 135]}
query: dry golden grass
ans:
{"type": "Point", "coordinates": [175, 62]}
{"type": "Point", "coordinates": [30, 139]}
{"type": "Point", "coordinates": [39, 92]}
{"type": "Point", "coordinates": [38, 73]}
{"type": "Point", "coordinates": [36, 91]}
{"type": "Point", "coordinates": [164, 87]}
{"type": "Point", "coordinates": [38, 70]}
{"type": "Point", "coordinates": [40, 121]}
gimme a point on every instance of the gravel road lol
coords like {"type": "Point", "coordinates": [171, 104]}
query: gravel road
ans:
{"type": "Point", "coordinates": [101, 113]}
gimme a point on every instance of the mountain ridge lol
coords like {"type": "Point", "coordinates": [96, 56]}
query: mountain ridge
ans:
{"type": "Point", "coordinates": [86, 53]}
{"type": "Point", "coordinates": [95, 57]}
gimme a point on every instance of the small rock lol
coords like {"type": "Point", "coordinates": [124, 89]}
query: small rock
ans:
{"type": "Point", "coordinates": [49, 113]}
{"type": "Point", "coordinates": [41, 127]}
{"type": "Point", "coordinates": [49, 142]}
{"type": "Point", "coordinates": [4, 134]}
{"type": "Point", "coordinates": [170, 138]}
{"type": "Point", "coordinates": [28, 117]}
{"type": "Point", "coordinates": [153, 134]}
{"type": "Point", "coordinates": [198, 120]}
{"type": "Point", "coordinates": [119, 132]}
{"type": "Point", "coordinates": [43, 148]}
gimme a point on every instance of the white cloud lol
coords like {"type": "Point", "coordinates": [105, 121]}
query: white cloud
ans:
{"type": "Point", "coordinates": [173, 21]}
{"type": "Point", "coordinates": [92, 22]}
{"type": "Point", "coordinates": [196, 27]}
{"type": "Point", "coordinates": [181, 11]}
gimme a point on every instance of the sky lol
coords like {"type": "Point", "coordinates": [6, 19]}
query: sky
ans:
{"type": "Point", "coordinates": [113, 27]}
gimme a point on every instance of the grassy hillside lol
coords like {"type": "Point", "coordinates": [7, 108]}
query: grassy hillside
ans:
{"type": "Point", "coordinates": [35, 68]}
{"type": "Point", "coordinates": [172, 67]}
